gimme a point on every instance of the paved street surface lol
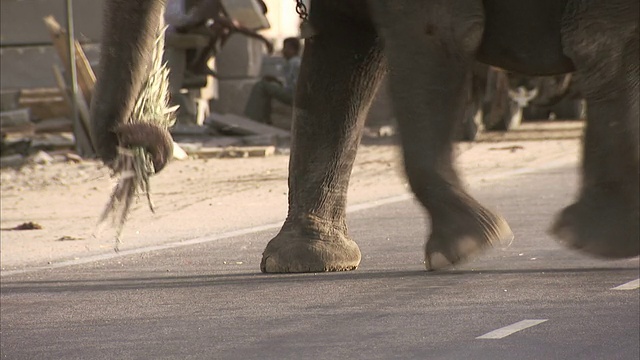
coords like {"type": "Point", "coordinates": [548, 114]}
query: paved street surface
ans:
{"type": "Point", "coordinates": [533, 300]}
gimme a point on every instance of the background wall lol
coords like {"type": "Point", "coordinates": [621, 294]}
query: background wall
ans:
{"type": "Point", "coordinates": [26, 53]}
{"type": "Point", "coordinates": [283, 19]}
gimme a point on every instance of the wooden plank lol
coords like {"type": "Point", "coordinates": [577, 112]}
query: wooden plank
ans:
{"type": "Point", "coordinates": [84, 146]}
{"type": "Point", "coordinates": [45, 103]}
{"type": "Point", "coordinates": [26, 129]}
{"type": "Point", "coordinates": [37, 93]}
{"type": "Point", "coordinates": [54, 125]}
{"type": "Point", "coordinates": [193, 145]}
{"type": "Point", "coordinates": [53, 141]}
{"type": "Point", "coordinates": [222, 141]}
{"type": "Point", "coordinates": [50, 108]}
{"type": "Point", "coordinates": [243, 126]}
{"type": "Point", "coordinates": [233, 152]}
{"type": "Point", "coordinates": [86, 76]}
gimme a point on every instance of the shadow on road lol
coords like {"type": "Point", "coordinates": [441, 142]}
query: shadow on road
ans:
{"type": "Point", "coordinates": [194, 281]}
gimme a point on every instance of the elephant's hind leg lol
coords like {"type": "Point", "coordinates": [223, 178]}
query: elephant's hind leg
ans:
{"type": "Point", "coordinates": [602, 40]}
{"type": "Point", "coordinates": [429, 46]}
{"type": "Point", "coordinates": [341, 68]}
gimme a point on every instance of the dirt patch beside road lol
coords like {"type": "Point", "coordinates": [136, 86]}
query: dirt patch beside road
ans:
{"type": "Point", "coordinates": [196, 198]}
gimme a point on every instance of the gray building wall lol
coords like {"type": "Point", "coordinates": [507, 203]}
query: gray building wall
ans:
{"type": "Point", "coordinates": [26, 53]}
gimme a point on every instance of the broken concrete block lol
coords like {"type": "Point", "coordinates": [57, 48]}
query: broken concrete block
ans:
{"type": "Point", "coordinates": [41, 158]}
{"type": "Point", "coordinates": [222, 141]}
{"type": "Point", "coordinates": [179, 153]}
{"type": "Point", "coordinates": [9, 100]}
{"type": "Point", "coordinates": [243, 126]}
{"type": "Point", "coordinates": [15, 160]}
{"type": "Point", "coordinates": [13, 118]}
{"type": "Point", "coordinates": [260, 140]}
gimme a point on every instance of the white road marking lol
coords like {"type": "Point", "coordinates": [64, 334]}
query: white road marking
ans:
{"type": "Point", "coordinates": [631, 285]}
{"type": "Point", "coordinates": [251, 230]}
{"type": "Point", "coordinates": [510, 329]}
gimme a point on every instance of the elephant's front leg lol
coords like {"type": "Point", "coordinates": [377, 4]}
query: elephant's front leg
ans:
{"type": "Point", "coordinates": [341, 68]}
{"type": "Point", "coordinates": [429, 47]}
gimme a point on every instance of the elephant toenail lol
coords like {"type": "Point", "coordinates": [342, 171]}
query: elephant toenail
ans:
{"type": "Point", "coordinates": [506, 241]}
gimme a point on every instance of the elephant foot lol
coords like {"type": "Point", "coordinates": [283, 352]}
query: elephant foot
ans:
{"type": "Point", "coordinates": [293, 252]}
{"type": "Point", "coordinates": [465, 236]}
{"type": "Point", "coordinates": [600, 224]}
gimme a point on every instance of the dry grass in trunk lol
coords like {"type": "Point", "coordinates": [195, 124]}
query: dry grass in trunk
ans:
{"type": "Point", "coordinates": [134, 165]}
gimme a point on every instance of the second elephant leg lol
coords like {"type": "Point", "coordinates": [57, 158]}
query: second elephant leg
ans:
{"type": "Point", "coordinates": [341, 68]}
{"type": "Point", "coordinates": [602, 40]}
{"type": "Point", "coordinates": [430, 73]}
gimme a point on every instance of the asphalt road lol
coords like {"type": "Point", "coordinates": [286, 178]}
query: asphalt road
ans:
{"type": "Point", "coordinates": [533, 300]}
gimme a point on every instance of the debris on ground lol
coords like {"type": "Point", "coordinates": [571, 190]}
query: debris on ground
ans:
{"type": "Point", "coordinates": [69, 238]}
{"type": "Point", "coordinates": [41, 158]}
{"type": "Point", "coordinates": [508, 148]}
{"type": "Point", "coordinates": [26, 226]}
{"type": "Point", "coordinates": [74, 158]}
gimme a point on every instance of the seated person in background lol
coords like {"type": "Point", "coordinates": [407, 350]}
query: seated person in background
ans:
{"type": "Point", "coordinates": [258, 106]}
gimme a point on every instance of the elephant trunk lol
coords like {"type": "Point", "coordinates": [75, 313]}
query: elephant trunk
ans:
{"type": "Point", "coordinates": [130, 30]}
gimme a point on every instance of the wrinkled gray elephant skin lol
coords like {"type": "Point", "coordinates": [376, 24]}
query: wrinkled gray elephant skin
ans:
{"type": "Point", "coordinates": [429, 50]}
